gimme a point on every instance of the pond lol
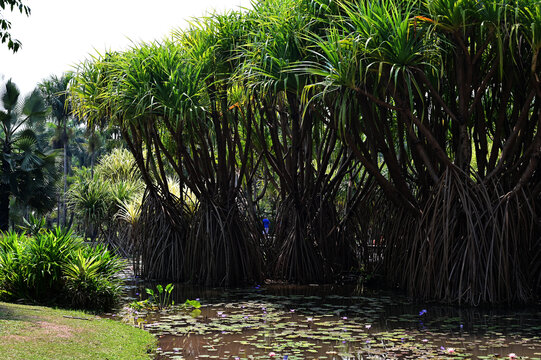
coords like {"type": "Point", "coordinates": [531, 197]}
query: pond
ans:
{"type": "Point", "coordinates": [335, 322]}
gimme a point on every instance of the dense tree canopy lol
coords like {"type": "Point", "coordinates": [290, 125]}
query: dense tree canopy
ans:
{"type": "Point", "coordinates": [411, 122]}
{"type": "Point", "coordinates": [28, 173]}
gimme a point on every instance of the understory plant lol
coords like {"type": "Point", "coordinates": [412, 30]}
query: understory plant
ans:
{"type": "Point", "coordinates": [55, 267]}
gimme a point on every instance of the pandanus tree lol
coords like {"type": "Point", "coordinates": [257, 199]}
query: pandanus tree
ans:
{"type": "Point", "coordinates": [27, 173]}
{"type": "Point", "coordinates": [218, 157]}
{"type": "Point", "coordinates": [407, 121]}
{"type": "Point", "coordinates": [299, 144]}
{"type": "Point", "coordinates": [101, 97]}
{"type": "Point", "coordinates": [177, 111]}
{"type": "Point", "coordinates": [440, 103]}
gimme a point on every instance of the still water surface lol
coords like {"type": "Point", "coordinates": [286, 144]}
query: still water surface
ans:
{"type": "Point", "coordinates": [335, 323]}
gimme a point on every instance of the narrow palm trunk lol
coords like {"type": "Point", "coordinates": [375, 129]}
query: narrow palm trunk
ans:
{"type": "Point", "coordinates": [59, 209]}
{"type": "Point", "coordinates": [64, 206]}
{"type": "Point", "coordinates": [4, 194]}
{"type": "Point", "coordinates": [4, 207]}
{"type": "Point", "coordinates": [92, 166]}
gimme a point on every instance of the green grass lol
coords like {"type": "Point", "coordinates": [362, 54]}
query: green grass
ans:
{"type": "Point", "coordinates": [35, 332]}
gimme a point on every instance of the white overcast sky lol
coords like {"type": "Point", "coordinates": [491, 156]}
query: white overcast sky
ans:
{"type": "Point", "coordinates": [61, 33]}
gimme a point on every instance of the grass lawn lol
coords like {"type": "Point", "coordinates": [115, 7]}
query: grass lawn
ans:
{"type": "Point", "coordinates": [35, 332]}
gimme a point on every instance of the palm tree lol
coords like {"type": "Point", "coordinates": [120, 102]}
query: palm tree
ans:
{"type": "Point", "coordinates": [54, 89]}
{"type": "Point", "coordinates": [27, 173]}
{"type": "Point", "coordinates": [93, 146]}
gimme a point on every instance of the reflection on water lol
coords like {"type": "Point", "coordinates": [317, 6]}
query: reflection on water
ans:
{"type": "Point", "coordinates": [333, 322]}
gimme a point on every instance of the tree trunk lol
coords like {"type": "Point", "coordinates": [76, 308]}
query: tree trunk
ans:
{"type": "Point", "coordinates": [4, 192]}
{"type": "Point", "coordinates": [64, 205]}
{"type": "Point", "coordinates": [58, 209]}
{"type": "Point", "coordinates": [92, 166]}
{"type": "Point", "coordinates": [4, 207]}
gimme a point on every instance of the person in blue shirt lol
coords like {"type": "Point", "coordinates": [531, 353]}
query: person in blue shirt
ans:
{"type": "Point", "coordinates": [266, 225]}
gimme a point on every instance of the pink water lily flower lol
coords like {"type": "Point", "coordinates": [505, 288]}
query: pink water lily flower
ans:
{"type": "Point", "coordinates": [450, 350]}
{"type": "Point", "coordinates": [512, 356]}
{"type": "Point", "coordinates": [272, 354]}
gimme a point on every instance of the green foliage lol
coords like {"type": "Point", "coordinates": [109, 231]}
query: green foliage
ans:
{"type": "Point", "coordinates": [28, 172]}
{"type": "Point", "coordinates": [117, 166]}
{"type": "Point", "coordinates": [193, 304]}
{"type": "Point", "coordinates": [44, 258]}
{"type": "Point", "coordinates": [89, 279]}
{"type": "Point", "coordinates": [33, 225]}
{"type": "Point", "coordinates": [382, 119]}
{"type": "Point", "coordinates": [161, 297]}
{"type": "Point", "coordinates": [54, 266]}
{"type": "Point", "coordinates": [91, 199]}
{"type": "Point", "coordinates": [54, 90]}
{"type": "Point", "coordinates": [31, 266]}
{"type": "Point", "coordinates": [108, 202]}
{"type": "Point", "coordinates": [5, 25]}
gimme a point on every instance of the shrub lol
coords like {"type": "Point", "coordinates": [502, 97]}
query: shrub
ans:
{"type": "Point", "coordinates": [54, 266]}
{"type": "Point", "coordinates": [91, 200]}
{"type": "Point", "coordinates": [118, 166]}
{"type": "Point", "coordinates": [30, 267]}
{"type": "Point", "coordinates": [90, 282]}
{"type": "Point", "coordinates": [44, 256]}
{"type": "Point", "coordinates": [12, 275]}
{"type": "Point", "coordinates": [97, 200]}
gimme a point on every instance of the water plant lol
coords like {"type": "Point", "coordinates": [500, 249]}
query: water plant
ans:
{"type": "Point", "coordinates": [245, 324]}
{"type": "Point", "coordinates": [194, 306]}
{"type": "Point", "coordinates": [161, 297]}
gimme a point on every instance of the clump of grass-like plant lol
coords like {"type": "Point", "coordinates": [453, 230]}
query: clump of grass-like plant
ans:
{"type": "Point", "coordinates": [55, 267]}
